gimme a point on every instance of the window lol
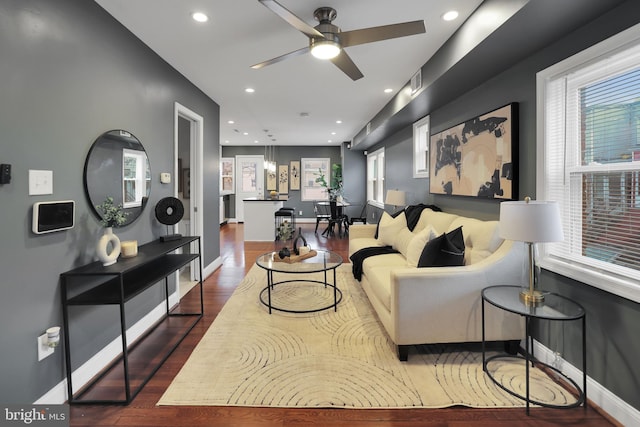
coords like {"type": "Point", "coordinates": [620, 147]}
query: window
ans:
{"type": "Point", "coordinates": [375, 177]}
{"type": "Point", "coordinates": [136, 177]}
{"type": "Point", "coordinates": [311, 169]}
{"type": "Point", "coordinates": [589, 162]}
{"type": "Point", "coordinates": [227, 174]}
{"type": "Point", "coordinates": [421, 148]}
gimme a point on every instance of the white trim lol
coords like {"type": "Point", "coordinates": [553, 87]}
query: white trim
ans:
{"type": "Point", "coordinates": [196, 227]}
{"type": "Point", "coordinates": [84, 374]}
{"type": "Point", "coordinates": [615, 407]}
{"type": "Point", "coordinates": [609, 281]}
{"type": "Point", "coordinates": [92, 367]}
{"type": "Point", "coordinates": [425, 121]}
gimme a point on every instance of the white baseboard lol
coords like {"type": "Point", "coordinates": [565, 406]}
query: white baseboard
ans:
{"type": "Point", "coordinates": [209, 269]}
{"type": "Point", "coordinates": [615, 407]}
{"type": "Point", "coordinates": [93, 366]}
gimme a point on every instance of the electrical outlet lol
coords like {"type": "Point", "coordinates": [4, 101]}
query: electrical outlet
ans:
{"type": "Point", "coordinates": [300, 213]}
{"type": "Point", "coordinates": [43, 347]}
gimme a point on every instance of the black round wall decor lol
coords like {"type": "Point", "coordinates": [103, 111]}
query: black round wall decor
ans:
{"type": "Point", "coordinates": [169, 211]}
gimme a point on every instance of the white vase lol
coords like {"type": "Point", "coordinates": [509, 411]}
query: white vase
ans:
{"type": "Point", "coordinates": [107, 238]}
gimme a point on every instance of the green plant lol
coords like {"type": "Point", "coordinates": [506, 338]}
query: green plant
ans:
{"type": "Point", "coordinates": [335, 189]}
{"type": "Point", "coordinates": [112, 215]}
{"type": "Point", "coordinates": [285, 230]}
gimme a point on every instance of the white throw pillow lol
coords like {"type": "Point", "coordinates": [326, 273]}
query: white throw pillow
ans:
{"type": "Point", "coordinates": [402, 240]}
{"type": "Point", "coordinates": [389, 227]}
{"type": "Point", "coordinates": [417, 244]}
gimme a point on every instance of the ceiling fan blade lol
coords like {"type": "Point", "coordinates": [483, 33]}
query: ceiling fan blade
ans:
{"type": "Point", "coordinates": [383, 32]}
{"type": "Point", "coordinates": [346, 64]}
{"type": "Point", "coordinates": [292, 19]}
{"type": "Point", "coordinates": [281, 58]}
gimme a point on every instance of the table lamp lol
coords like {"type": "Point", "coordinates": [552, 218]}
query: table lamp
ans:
{"type": "Point", "coordinates": [395, 198]}
{"type": "Point", "coordinates": [531, 221]}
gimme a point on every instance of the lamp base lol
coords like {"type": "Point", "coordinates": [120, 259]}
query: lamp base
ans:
{"type": "Point", "coordinates": [531, 298]}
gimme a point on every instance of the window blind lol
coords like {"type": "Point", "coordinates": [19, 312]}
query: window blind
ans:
{"type": "Point", "coordinates": [592, 161]}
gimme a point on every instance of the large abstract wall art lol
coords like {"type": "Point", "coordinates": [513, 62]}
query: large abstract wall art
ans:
{"type": "Point", "coordinates": [477, 157]}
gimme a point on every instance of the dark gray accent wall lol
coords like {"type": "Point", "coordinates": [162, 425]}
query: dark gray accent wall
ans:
{"type": "Point", "coordinates": [282, 156]}
{"type": "Point", "coordinates": [613, 323]}
{"type": "Point", "coordinates": [68, 73]}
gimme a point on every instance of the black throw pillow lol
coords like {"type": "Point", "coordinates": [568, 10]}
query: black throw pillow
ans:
{"type": "Point", "coordinates": [446, 250]}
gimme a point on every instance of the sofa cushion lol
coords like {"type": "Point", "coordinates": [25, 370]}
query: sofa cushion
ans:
{"type": "Point", "coordinates": [440, 221]}
{"type": "Point", "coordinates": [402, 240]}
{"type": "Point", "coordinates": [389, 228]}
{"type": "Point", "coordinates": [444, 251]}
{"type": "Point", "coordinates": [379, 278]}
{"type": "Point", "coordinates": [364, 242]}
{"type": "Point", "coordinates": [481, 238]}
{"type": "Point", "coordinates": [417, 244]}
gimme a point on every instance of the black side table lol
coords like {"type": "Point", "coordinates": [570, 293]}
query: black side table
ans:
{"type": "Point", "coordinates": [555, 307]}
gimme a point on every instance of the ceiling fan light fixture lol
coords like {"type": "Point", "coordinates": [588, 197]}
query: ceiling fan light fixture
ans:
{"type": "Point", "coordinates": [324, 49]}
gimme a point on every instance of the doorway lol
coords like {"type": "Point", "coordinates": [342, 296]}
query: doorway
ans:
{"type": "Point", "coordinates": [188, 182]}
{"type": "Point", "coordinates": [249, 181]}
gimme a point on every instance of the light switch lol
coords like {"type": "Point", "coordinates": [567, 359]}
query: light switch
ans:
{"type": "Point", "coordinates": [165, 177]}
{"type": "Point", "coordinates": [40, 182]}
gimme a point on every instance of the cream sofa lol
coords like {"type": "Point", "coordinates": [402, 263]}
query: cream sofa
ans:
{"type": "Point", "coordinates": [438, 304]}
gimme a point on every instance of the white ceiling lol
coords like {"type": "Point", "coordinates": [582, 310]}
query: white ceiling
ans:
{"type": "Point", "coordinates": [216, 56]}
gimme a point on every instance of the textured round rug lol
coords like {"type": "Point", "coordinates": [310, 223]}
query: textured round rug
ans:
{"type": "Point", "coordinates": [333, 358]}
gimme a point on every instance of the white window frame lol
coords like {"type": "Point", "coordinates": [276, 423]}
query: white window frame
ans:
{"type": "Point", "coordinates": [140, 179]}
{"type": "Point", "coordinates": [421, 131]}
{"type": "Point", "coordinates": [622, 282]}
{"type": "Point", "coordinates": [375, 182]}
{"type": "Point", "coordinates": [310, 190]}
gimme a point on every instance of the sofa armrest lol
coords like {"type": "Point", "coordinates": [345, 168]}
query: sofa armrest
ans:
{"type": "Point", "coordinates": [447, 302]}
{"type": "Point", "coordinates": [359, 231]}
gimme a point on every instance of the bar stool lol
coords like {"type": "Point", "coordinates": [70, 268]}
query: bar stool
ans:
{"type": "Point", "coordinates": [281, 215]}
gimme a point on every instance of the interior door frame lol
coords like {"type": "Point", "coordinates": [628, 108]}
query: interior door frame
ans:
{"type": "Point", "coordinates": [196, 137]}
{"type": "Point", "coordinates": [259, 184]}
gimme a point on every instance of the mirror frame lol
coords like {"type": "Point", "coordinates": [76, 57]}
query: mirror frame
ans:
{"type": "Point", "coordinates": [99, 169]}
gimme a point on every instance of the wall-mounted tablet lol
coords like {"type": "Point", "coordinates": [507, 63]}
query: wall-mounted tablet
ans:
{"type": "Point", "coordinates": [53, 216]}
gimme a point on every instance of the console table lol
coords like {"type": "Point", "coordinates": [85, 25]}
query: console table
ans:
{"type": "Point", "coordinates": [555, 308]}
{"type": "Point", "coordinates": [96, 285]}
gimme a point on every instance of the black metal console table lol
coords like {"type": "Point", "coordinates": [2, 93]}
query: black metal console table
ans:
{"type": "Point", "coordinates": [94, 284]}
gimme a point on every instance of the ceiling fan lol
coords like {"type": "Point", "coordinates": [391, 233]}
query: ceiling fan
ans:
{"type": "Point", "coordinates": [327, 41]}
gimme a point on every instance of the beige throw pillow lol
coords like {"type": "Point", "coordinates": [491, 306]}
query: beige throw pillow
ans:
{"type": "Point", "coordinates": [417, 244]}
{"type": "Point", "coordinates": [389, 227]}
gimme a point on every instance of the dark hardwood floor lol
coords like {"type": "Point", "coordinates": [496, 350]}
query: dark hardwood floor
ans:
{"type": "Point", "coordinates": [238, 258]}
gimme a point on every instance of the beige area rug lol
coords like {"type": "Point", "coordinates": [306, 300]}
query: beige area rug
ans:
{"type": "Point", "coordinates": [333, 359]}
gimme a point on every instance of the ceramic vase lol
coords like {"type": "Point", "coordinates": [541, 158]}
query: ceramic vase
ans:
{"type": "Point", "coordinates": [108, 238]}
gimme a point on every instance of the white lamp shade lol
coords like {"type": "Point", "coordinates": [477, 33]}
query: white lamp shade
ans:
{"type": "Point", "coordinates": [532, 221]}
{"type": "Point", "coordinates": [395, 198]}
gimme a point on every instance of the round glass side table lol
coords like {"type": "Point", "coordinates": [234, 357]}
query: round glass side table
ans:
{"type": "Point", "coordinates": [554, 308]}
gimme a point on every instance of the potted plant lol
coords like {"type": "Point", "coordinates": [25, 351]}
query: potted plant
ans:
{"type": "Point", "coordinates": [112, 216]}
{"type": "Point", "coordinates": [335, 190]}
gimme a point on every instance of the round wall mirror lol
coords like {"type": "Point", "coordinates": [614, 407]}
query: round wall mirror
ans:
{"type": "Point", "coordinates": [117, 166]}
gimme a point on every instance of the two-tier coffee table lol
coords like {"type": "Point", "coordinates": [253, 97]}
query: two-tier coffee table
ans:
{"type": "Point", "coordinates": [322, 263]}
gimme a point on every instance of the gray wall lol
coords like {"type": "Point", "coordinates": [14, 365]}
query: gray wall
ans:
{"type": "Point", "coordinates": [613, 323]}
{"type": "Point", "coordinates": [283, 155]}
{"type": "Point", "coordinates": [68, 73]}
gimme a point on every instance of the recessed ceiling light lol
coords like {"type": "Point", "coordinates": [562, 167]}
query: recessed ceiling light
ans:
{"type": "Point", "coordinates": [388, 90]}
{"type": "Point", "coordinates": [329, 141]}
{"type": "Point", "coordinates": [249, 90]}
{"type": "Point", "coordinates": [226, 141]}
{"type": "Point", "coordinates": [199, 17]}
{"type": "Point", "coordinates": [255, 141]}
{"type": "Point", "coordinates": [245, 133]}
{"type": "Point", "coordinates": [450, 15]}
{"type": "Point", "coordinates": [338, 121]}
{"type": "Point", "coordinates": [333, 133]}
{"type": "Point", "coordinates": [230, 122]}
